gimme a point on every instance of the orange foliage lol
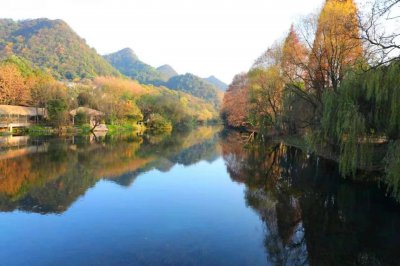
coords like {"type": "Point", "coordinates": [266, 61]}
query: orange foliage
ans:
{"type": "Point", "coordinates": [14, 89]}
{"type": "Point", "coordinates": [294, 53]}
{"type": "Point", "coordinates": [337, 45]}
{"type": "Point", "coordinates": [235, 104]}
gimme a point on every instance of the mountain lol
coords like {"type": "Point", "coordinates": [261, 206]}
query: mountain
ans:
{"type": "Point", "coordinates": [167, 71]}
{"type": "Point", "coordinates": [196, 86]}
{"type": "Point", "coordinates": [128, 63]}
{"type": "Point", "coordinates": [217, 83]}
{"type": "Point", "coordinates": [54, 46]}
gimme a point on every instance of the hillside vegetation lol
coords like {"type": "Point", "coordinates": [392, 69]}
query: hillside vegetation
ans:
{"type": "Point", "coordinates": [43, 63]}
{"type": "Point", "coordinates": [217, 83]}
{"type": "Point", "coordinates": [196, 86]}
{"type": "Point", "coordinates": [167, 71]}
{"type": "Point", "coordinates": [127, 62]}
{"type": "Point", "coordinates": [54, 47]}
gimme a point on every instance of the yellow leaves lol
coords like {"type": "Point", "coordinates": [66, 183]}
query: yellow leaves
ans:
{"type": "Point", "coordinates": [337, 31]}
{"type": "Point", "coordinates": [13, 86]}
{"type": "Point", "coordinates": [120, 86]}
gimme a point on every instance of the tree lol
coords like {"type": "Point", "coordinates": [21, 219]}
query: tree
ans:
{"type": "Point", "coordinates": [85, 99]}
{"type": "Point", "coordinates": [57, 111]}
{"type": "Point", "coordinates": [13, 86]}
{"type": "Point", "coordinates": [236, 102]}
{"type": "Point", "coordinates": [266, 92]}
{"type": "Point", "coordinates": [382, 47]}
{"type": "Point", "coordinates": [336, 47]}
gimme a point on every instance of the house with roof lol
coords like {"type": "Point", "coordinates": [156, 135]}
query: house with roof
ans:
{"type": "Point", "coordinates": [14, 116]}
{"type": "Point", "coordinates": [93, 116]}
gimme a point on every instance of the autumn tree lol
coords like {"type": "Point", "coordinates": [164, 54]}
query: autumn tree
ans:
{"type": "Point", "coordinates": [266, 91]}
{"type": "Point", "coordinates": [236, 102]}
{"type": "Point", "coordinates": [336, 47]}
{"type": "Point", "coordinates": [13, 86]}
{"type": "Point", "coordinates": [294, 56]}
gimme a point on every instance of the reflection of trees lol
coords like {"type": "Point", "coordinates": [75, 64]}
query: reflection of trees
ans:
{"type": "Point", "coordinates": [51, 181]}
{"type": "Point", "coordinates": [312, 216]}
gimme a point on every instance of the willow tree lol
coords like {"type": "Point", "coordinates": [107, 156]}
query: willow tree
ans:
{"type": "Point", "coordinates": [366, 110]}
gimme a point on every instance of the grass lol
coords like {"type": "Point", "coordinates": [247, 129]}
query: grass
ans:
{"type": "Point", "coordinates": [37, 130]}
{"type": "Point", "coordinates": [124, 128]}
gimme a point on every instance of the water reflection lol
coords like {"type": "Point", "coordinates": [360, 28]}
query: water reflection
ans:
{"type": "Point", "coordinates": [48, 175]}
{"type": "Point", "coordinates": [311, 215]}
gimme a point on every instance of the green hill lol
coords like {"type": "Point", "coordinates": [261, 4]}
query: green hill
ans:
{"type": "Point", "coordinates": [217, 83]}
{"type": "Point", "coordinates": [53, 46]}
{"type": "Point", "coordinates": [196, 86]}
{"type": "Point", "coordinates": [127, 62]}
{"type": "Point", "coordinates": [167, 71]}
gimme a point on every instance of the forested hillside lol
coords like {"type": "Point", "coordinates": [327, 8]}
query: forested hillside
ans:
{"type": "Point", "coordinates": [43, 63]}
{"type": "Point", "coordinates": [217, 83]}
{"type": "Point", "coordinates": [54, 47]}
{"type": "Point", "coordinates": [167, 71]}
{"type": "Point", "coordinates": [128, 63]}
{"type": "Point", "coordinates": [196, 86]}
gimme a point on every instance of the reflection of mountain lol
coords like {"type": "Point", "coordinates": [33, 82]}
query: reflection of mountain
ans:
{"type": "Point", "coordinates": [312, 216]}
{"type": "Point", "coordinates": [52, 179]}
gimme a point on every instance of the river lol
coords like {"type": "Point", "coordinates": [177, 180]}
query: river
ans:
{"type": "Point", "coordinates": [191, 198]}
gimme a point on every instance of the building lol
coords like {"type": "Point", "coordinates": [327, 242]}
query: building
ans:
{"type": "Point", "coordinates": [14, 116]}
{"type": "Point", "coordinates": [94, 117]}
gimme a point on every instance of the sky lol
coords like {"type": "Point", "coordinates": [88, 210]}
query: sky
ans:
{"type": "Point", "coordinates": [204, 37]}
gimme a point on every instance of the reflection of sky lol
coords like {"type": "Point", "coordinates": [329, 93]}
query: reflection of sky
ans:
{"type": "Point", "coordinates": [189, 215]}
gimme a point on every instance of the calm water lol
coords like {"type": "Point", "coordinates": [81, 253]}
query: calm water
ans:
{"type": "Point", "coordinates": [197, 198]}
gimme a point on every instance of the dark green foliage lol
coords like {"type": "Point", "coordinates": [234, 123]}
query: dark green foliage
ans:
{"type": "Point", "coordinates": [166, 105]}
{"type": "Point", "coordinates": [366, 107]}
{"type": "Point", "coordinates": [129, 64]}
{"type": "Point", "coordinates": [392, 169]}
{"type": "Point", "coordinates": [52, 45]}
{"type": "Point", "coordinates": [86, 99]}
{"type": "Point", "coordinates": [196, 86]}
{"type": "Point", "coordinates": [81, 118]}
{"type": "Point", "coordinates": [158, 122]}
{"type": "Point", "coordinates": [57, 111]}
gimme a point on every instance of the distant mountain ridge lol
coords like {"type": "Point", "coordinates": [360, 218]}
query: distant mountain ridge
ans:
{"type": "Point", "coordinates": [196, 86]}
{"type": "Point", "coordinates": [54, 46]}
{"type": "Point", "coordinates": [130, 65]}
{"type": "Point", "coordinates": [217, 83]}
{"type": "Point", "coordinates": [167, 71]}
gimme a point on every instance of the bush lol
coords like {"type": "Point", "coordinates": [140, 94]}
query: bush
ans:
{"type": "Point", "coordinates": [81, 118]}
{"type": "Point", "coordinates": [159, 123]}
{"type": "Point", "coordinates": [57, 110]}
